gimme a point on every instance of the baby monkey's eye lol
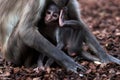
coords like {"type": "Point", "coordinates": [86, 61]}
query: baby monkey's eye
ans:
{"type": "Point", "coordinates": [48, 12]}
{"type": "Point", "coordinates": [55, 15]}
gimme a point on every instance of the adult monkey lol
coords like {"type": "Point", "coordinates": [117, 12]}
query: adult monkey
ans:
{"type": "Point", "coordinates": [22, 43]}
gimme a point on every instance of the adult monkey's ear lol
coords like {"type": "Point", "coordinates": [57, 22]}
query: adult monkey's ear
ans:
{"type": "Point", "coordinates": [61, 3]}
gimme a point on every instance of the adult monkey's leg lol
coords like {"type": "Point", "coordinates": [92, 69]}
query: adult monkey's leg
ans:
{"type": "Point", "coordinates": [90, 39]}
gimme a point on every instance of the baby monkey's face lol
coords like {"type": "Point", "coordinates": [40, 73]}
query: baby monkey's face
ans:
{"type": "Point", "coordinates": [52, 14]}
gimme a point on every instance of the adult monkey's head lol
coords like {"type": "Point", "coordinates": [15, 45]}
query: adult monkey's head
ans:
{"type": "Point", "coordinates": [61, 3]}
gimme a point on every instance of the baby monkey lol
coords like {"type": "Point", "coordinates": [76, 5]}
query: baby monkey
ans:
{"type": "Point", "coordinates": [66, 32]}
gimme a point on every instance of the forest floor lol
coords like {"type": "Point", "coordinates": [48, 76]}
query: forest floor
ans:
{"type": "Point", "coordinates": [103, 19]}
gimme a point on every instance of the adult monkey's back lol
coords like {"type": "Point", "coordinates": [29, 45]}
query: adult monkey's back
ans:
{"type": "Point", "coordinates": [22, 43]}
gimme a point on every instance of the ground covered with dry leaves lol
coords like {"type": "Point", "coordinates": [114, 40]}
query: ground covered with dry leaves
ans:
{"type": "Point", "coordinates": [103, 19]}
